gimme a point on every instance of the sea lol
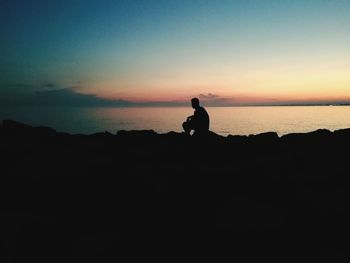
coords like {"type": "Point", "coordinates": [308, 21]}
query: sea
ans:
{"type": "Point", "coordinates": [223, 120]}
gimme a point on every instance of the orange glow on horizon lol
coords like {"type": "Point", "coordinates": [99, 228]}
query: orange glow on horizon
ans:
{"type": "Point", "coordinates": [309, 83]}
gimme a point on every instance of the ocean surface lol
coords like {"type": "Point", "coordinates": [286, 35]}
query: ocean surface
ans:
{"type": "Point", "coordinates": [223, 120]}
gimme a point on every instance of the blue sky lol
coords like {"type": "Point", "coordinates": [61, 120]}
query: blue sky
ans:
{"type": "Point", "coordinates": [248, 51]}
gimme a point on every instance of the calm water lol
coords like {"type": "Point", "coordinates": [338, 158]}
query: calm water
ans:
{"type": "Point", "coordinates": [224, 120]}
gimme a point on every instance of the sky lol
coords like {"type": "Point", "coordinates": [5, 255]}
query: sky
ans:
{"type": "Point", "coordinates": [122, 53]}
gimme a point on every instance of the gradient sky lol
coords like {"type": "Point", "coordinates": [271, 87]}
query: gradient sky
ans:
{"type": "Point", "coordinates": [226, 52]}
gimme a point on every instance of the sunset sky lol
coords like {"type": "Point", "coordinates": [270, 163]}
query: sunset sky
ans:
{"type": "Point", "coordinates": [237, 52]}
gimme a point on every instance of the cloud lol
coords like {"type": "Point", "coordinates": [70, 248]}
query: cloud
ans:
{"type": "Point", "coordinates": [48, 93]}
{"type": "Point", "coordinates": [50, 85]}
{"type": "Point", "coordinates": [211, 99]}
{"type": "Point", "coordinates": [21, 85]}
{"type": "Point", "coordinates": [51, 94]}
{"type": "Point", "coordinates": [208, 96]}
{"type": "Point", "coordinates": [70, 97]}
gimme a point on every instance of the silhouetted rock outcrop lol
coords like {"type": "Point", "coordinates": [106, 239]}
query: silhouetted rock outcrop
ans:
{"type": "Point", "coordinates": [139, 195]}
{"type": "Point", "coordinates": [137, 133]}
{"type": "Point", "coordinates": [14, 128]}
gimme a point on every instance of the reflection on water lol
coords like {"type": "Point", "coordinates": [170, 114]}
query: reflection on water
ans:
{"type": "Point", "coordinates": [224, 120]}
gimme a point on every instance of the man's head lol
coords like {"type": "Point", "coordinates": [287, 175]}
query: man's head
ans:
{"type": "Point", "coordinates": [195, 103]}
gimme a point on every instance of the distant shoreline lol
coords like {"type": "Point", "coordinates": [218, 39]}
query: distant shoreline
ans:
{"type": "Point", "coordinates": [174, 106]}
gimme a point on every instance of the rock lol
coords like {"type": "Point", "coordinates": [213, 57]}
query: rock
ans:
{"type": "Point", "coordinates": [142, 190]}
{"type": "Point", "coordinates": [309, 136]}
{"type": "Point", "coordinates": [137, 133]}
{"type": "Point", "coordinates": [342, 132]}
{"type": "Point", "coordinates": [102, 135]}
{"type": "Point", "coordinates": [264, 137]}
{"type": "Point", "coordinates": [44, 131]}
{"type": "Point", "coordinates": [215, 136]}
{"type": "Point", "coordinates": [237, 138]}
{"type": "Point", "coordinates": [12, 128]}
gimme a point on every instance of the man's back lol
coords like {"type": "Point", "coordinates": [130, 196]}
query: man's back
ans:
{"type": "Point", "coordinates": [201, 119]}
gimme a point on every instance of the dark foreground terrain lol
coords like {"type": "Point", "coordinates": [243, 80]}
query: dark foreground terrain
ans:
{"type": "Point", "coordinates": [140, 196]}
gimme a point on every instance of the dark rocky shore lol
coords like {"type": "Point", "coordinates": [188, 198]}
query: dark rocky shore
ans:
{"type": "Point", "coordinates": [141, 196]}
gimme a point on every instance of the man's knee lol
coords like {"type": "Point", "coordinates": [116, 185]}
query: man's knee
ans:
{"type": "Point", "coordinates": [186, 126]}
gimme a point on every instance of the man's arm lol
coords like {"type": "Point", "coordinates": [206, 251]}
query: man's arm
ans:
{"type": "Point", "coordinates": [193, 117]}
{"type": "Point", "coordinates": [190, 117]}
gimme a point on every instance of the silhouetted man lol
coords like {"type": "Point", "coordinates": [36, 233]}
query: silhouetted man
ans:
{"type": "Point", "coordinates": [199, 121]}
